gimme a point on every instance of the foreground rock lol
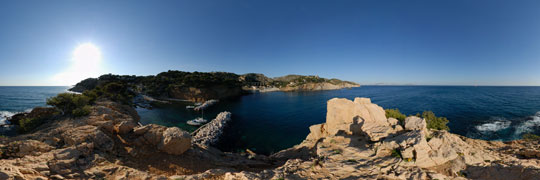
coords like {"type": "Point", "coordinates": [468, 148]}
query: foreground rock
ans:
{"type": "Point", "coordinates": [109, 144]}
{"type": "Point", "coordinates": [210, 133]}
{"type": "Point", "coordinates": [357, 141]}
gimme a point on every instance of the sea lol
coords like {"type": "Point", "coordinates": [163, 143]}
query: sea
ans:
{"type": "Point", "coordinates": [273, 121]}
{"type": "Point", "coordinates": [16, 99]}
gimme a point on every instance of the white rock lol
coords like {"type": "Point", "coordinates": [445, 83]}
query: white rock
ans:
{"type": "Point", "coordinates": [413, 123]}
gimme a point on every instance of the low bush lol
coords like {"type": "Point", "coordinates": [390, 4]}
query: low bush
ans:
{"type": "Point", "coordinates": [29, 124]}
{"type": "Point", "coordinates": [434, 122]}
{"type": "Point", "coordinates": [394, 113]}
{"type": "Point", "coordinates": [81, 111]}
{"type": "Point", "coordinates": [68, 102]}
{"type": "Point", "coordinates": [530, 137]}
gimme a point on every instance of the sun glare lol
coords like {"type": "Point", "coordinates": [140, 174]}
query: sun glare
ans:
{"type": "Point", "coordinates": [85, 62]}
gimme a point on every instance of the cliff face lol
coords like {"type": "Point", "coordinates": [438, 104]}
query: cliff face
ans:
{"type": "Point", "coordinates": [204, 94]}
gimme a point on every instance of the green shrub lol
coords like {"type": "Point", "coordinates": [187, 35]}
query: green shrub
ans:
{"type": "Point", "coordinates": [530, 137]}
{"type": "Point", "coordinates": [394, 113]}
{"type": "Point", "coordinates": [67, 102]}
{"type": "Point", "coordinates": [434, 122]}
{"type": "Point", "coordinates": [29, 124]}
{"type": "Point", "coordinates": [396, 153]}
{"type": "Point", "coordinates": [81, 111]}
{"type": "Point", "coordinates": [114, 91]}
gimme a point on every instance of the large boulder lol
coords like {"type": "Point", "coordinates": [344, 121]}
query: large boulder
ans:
{"type": "Point", "coordinates": [88, 134]}
{"type": "Point", "coordinates": [357, 118]}
{"type": "Point", "coordinates": [153, 134]}
{"type": "Point", "coordinates": [317, 131]}
{"type": "Point", "coordinates": [124, 127]}
{"type": "Point", "coordinates": [36, 113]}
{"type": "Point", "coordinates": [413, 123]}
{"type": "Point", "coordinates": [175, 141]}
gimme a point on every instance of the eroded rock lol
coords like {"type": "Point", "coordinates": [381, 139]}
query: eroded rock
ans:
{"type": "Point", "coordinates": [175, 141]}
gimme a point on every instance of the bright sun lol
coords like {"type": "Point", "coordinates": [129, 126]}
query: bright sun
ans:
{"type": "Point", "coordinates": [87, 54]}
{"type": "Point", "coordinates": [85, 62]}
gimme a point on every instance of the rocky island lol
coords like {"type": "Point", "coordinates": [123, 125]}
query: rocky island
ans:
{"type": "Point", "coordinates": [357, 141]}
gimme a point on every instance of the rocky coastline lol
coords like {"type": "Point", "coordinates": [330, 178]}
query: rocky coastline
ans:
{"type": "Point", "coordinates": [209, 134]}
{"type": "Point", "coordinates": [201, 86]}
{"type": "Point", "coordinates": [357, 141]}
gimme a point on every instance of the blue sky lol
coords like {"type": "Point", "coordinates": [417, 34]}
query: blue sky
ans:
{"type": "Point", "coordinates": [457, 42]}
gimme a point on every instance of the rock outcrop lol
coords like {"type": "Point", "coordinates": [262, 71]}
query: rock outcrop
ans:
{"type": "Point", "coordinates": [175, 141]}
{"type": "Point", "coordinates": [357, 141]}
{"type": "Point", "coordinates": [360, 117]}
{"type": "Point", "coordinates": [210, 133]}
{"type": "Point", "coordinates": [109, 144]}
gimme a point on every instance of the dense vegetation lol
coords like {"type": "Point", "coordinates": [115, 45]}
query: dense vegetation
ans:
{"type": "Point", "coordinates": [162, 83]}
{"type": "Point", "coordinates": [35, 118]}
{"type": "Point", "coordinates": [70, 103]}
{"type": "Point", "coordinates": [80, 104]}
{"type": "Point", "coordinates": [433, 122]}
{"type": "Point", "coordinates": [298, 80]}
{"type": "Point", "coordinates": [394, 113]}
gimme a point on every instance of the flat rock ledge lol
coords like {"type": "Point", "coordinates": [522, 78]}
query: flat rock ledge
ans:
{"type": "Point", "coordinates": [209, 134]}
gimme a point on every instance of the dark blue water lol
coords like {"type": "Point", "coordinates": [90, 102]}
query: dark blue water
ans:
{"type": "Point", "coordinates": [269, 122]}
{"type": "Point", "coordinates": [24, 98]}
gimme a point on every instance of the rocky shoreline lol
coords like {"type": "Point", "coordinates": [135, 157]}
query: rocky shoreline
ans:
{"type": "Point", "coordinates": [209, 134]}
{"type": "Point", "coordinates": [357, 141]}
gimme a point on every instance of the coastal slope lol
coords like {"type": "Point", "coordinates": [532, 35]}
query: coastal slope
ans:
{"type": "Point", "coordinates": [203, 86]}
{"type": "Point", "coordinates": [357, 141]}
{"type": "Point", "coordinates": [261, 83]}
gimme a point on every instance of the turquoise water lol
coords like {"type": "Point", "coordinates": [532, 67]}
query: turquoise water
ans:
{"type": "Point", "coordinates": [269, 122]}
{"type": "Point", "coordinates": [14, 99]}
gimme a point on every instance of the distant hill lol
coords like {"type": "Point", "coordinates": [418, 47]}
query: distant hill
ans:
{"type": "Point", "coordinates": [201, 86]}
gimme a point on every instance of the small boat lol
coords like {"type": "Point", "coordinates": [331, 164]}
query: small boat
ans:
{"type": "Point", "coordinates": [190, 107]}
{"type": "Point", "coordinates": [197, 121]}
{"type": "Point", "coordinates": [198, 103]}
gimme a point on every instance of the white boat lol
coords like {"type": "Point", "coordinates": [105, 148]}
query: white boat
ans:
{"type": "Point", "coordinates": [198, 104]}
{"type": "Point", "coordinates": [190, 107]}
{"type": "Point", "coordinates": [197, 121]}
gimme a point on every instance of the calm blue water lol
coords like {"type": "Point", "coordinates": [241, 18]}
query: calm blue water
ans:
{"type": "Point", "coordinates": [20, 99]}
{"type": "Point", "coordinates": [269, 122]}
